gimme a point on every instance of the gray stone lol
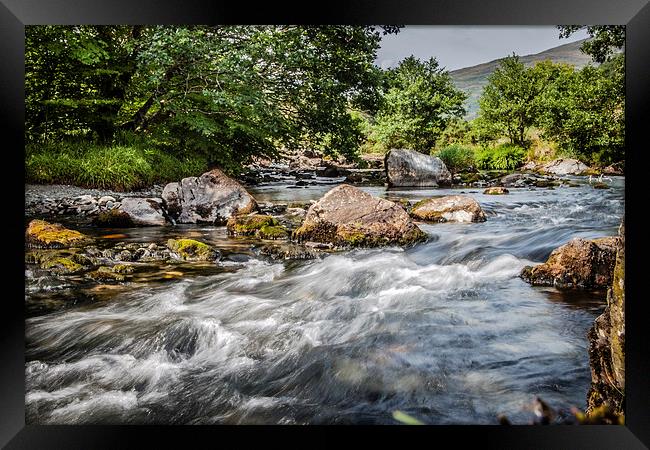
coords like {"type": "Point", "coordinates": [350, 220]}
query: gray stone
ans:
{"type": "Point", "coordinates": [411, 168]}
{"type": "Point", "coordinates": [211, 198]}
{"type": "Point", "coordinates": [144, 211]}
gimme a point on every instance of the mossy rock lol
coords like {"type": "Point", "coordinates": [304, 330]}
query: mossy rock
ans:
{"type": "Point", "coordinates": [273, 232]}
{"type": "Point", "coordinates": [248, 225]}
{"type": "Point", "coordinates": [600, 185]}
{"type": "Point", "coordinates": [113, 219]}
{"type": "Point", "coordinates": [123, 269]}
{"type": "Point", "coordinates": [191, 250]}
{"type": "Point", "coordinates": [61, 262]}
{"type": "Point", "coordinates": [42, 234]}
{"type": "Point", "coordinates": [104, 273]}
{"type": "Point", "coordinates": [61, 265]}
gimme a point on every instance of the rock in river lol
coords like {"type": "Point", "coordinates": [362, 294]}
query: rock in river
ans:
{"type": "Point", "coordinates": [564, 167]}
{"type": "Point", "coordinates": [349, 217]}
{"type": "Point", "coordinates": [496, 190]}
{"type": "Point", "coordinates": [42, 234]}
{"type": "Point", "coordinates": [579, 263]}
{"type": "Point", "coordinates": [191, 250]}
{"type": "Point", "coordinates": [211, 198]}
{"type": "Point", "coordinates": [143, 211]}
{"type": "Point", "coordinates": [451, 208]}
{"type": "Point", "coordinates": [260, 225]}
{"type": "Point", "coordinates": [607, 343]}
{"type": "Point", "coordinates": [411, 168]}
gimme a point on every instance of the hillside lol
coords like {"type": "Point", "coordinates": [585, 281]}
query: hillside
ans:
{"type": "Point", "coordinates": [473, 79]}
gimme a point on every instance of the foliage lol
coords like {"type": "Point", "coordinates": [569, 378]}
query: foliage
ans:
{"type": "Point", "coordinates": [458, 131]}
{"type": "Point", "coordinates": [604, 39]}
{"type": "Point", "coordinates": [223, 93]}
{"type": "Point", "coordinates": [511, 100]}
{"type": "Point", "coordinates": [457, 157]}
{"type": "Point", "coordinates": [585, 113]}
{"type": "Point", "coordinates": [501, 157]}
{"type": "Point", "coordinates": [419, 102]}
{"type": "Point", "coordinates": [107, 167]}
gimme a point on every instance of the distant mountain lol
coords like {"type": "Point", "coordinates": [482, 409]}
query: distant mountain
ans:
{"type": "Point", "coordinates": [473, 79]}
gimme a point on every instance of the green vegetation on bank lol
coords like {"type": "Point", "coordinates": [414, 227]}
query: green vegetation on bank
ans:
{"type": "Point", "coordinates": [123, 107]}
{"type": "Point", "coordinates": [120, 166]}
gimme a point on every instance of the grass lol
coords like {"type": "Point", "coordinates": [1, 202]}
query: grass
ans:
{"type": "Point", "coordinates": [119, 167]}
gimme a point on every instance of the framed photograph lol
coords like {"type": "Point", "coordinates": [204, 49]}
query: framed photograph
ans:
{"type": "Point", "coordinates": [403, 219]}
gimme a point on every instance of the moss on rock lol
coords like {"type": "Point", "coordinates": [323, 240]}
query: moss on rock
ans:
{"type": "Point", "coordinates": [248, 225]}
{"type": "Point", "coordinates": [61, 265]}
{"type": "Point", "coordinates": [273, 232]}
{"type": "Point", "coordinates": [191, 250]}
{"type": "Point", "coordinates": [104, 273]}
{"type": "Point", "coordinates": [42, 234]}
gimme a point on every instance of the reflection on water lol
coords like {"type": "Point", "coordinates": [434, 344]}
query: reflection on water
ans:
{"type": "Point", "coordinates": [444, 331]}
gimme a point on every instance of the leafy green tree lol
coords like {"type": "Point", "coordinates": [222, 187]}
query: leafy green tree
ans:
{"type": "Point", "coordinates": [603, 42]}
{"type": "Point", "coordinates": [584, 113]}
{"type": "Point", "coordinates": [419, 102]}
{"type": "Point", "coordinates": [510, 103]}
{"type": "Point", "coordinates": [224, 92]}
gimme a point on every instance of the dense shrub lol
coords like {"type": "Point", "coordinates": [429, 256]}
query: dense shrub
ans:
{"type": "Point", "coordinates": [457, 157]}
{"type": "Point", "coordinates": [501, 157]}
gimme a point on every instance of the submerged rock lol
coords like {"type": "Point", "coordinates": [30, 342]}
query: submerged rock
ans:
{"type": "Point", "coordinates": [191, 250]}
{"type": "Point", "coordinates": [564, 167]}
{"type": "Point", "coordinates": [496, 190]}
{"type": "Point", "coordinates": [211, 198]}
{"type": "Point", "coordinates": [607, 343]}
{"type": "Point", "coordinates": [411, 168]}
{"type": "Point", "coordinates": [579, 263]}
{"type": "Point", "coordinates": [349, 217]}
{"type": "Point", "coordinates": [42, 234]}
{"type": "Point", "coordinates": [451, 208]}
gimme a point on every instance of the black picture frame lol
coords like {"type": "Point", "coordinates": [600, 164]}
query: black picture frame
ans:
{"type": "Point", "coordinates": [15, 14]}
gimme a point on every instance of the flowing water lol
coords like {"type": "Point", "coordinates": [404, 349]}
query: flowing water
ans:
{"type": "Point", "coordinates": [444, 331]}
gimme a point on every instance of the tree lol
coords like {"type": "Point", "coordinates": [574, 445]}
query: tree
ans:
{"type": "Point", "coordinates": [584, 113]}
{"type": "Point", "coordinates": [419, 102]}
{"type": "Point", "coordinates": [603, 40]}
{"type": "Point", "coordinates": [510, 101]}
{"type": "Point", "coordinates": [226, 92]}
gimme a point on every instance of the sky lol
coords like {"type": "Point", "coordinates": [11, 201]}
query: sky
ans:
{"type": "Point", "coordinates": [456, 47]}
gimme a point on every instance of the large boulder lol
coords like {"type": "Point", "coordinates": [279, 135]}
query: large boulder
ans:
{"type": "Point", "coordinates": [411, 168]}
{"type": "Point", "coordinates": [142, 211]}
{"type": "Point", "coordinates": [451, 208]}
{"type": "Point", "coordinates": [607, 343]}
{"type": "Point", "coordinates": [564, 167]}
{"type": "Point", "coordinates": [347, 216]}
{"type": "Point", "coordinates": [211, 198]}
{"type": "Point", "coordinates": [42, 234]}
{"type": "Point", "coordinates": [579, 263]}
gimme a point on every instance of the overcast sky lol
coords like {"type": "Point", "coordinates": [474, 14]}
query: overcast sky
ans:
{"type": "Point", "coordinates": [456, 47]}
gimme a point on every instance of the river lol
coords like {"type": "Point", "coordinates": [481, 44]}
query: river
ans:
{"type": "Point", "coordinates": [444, 331]}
